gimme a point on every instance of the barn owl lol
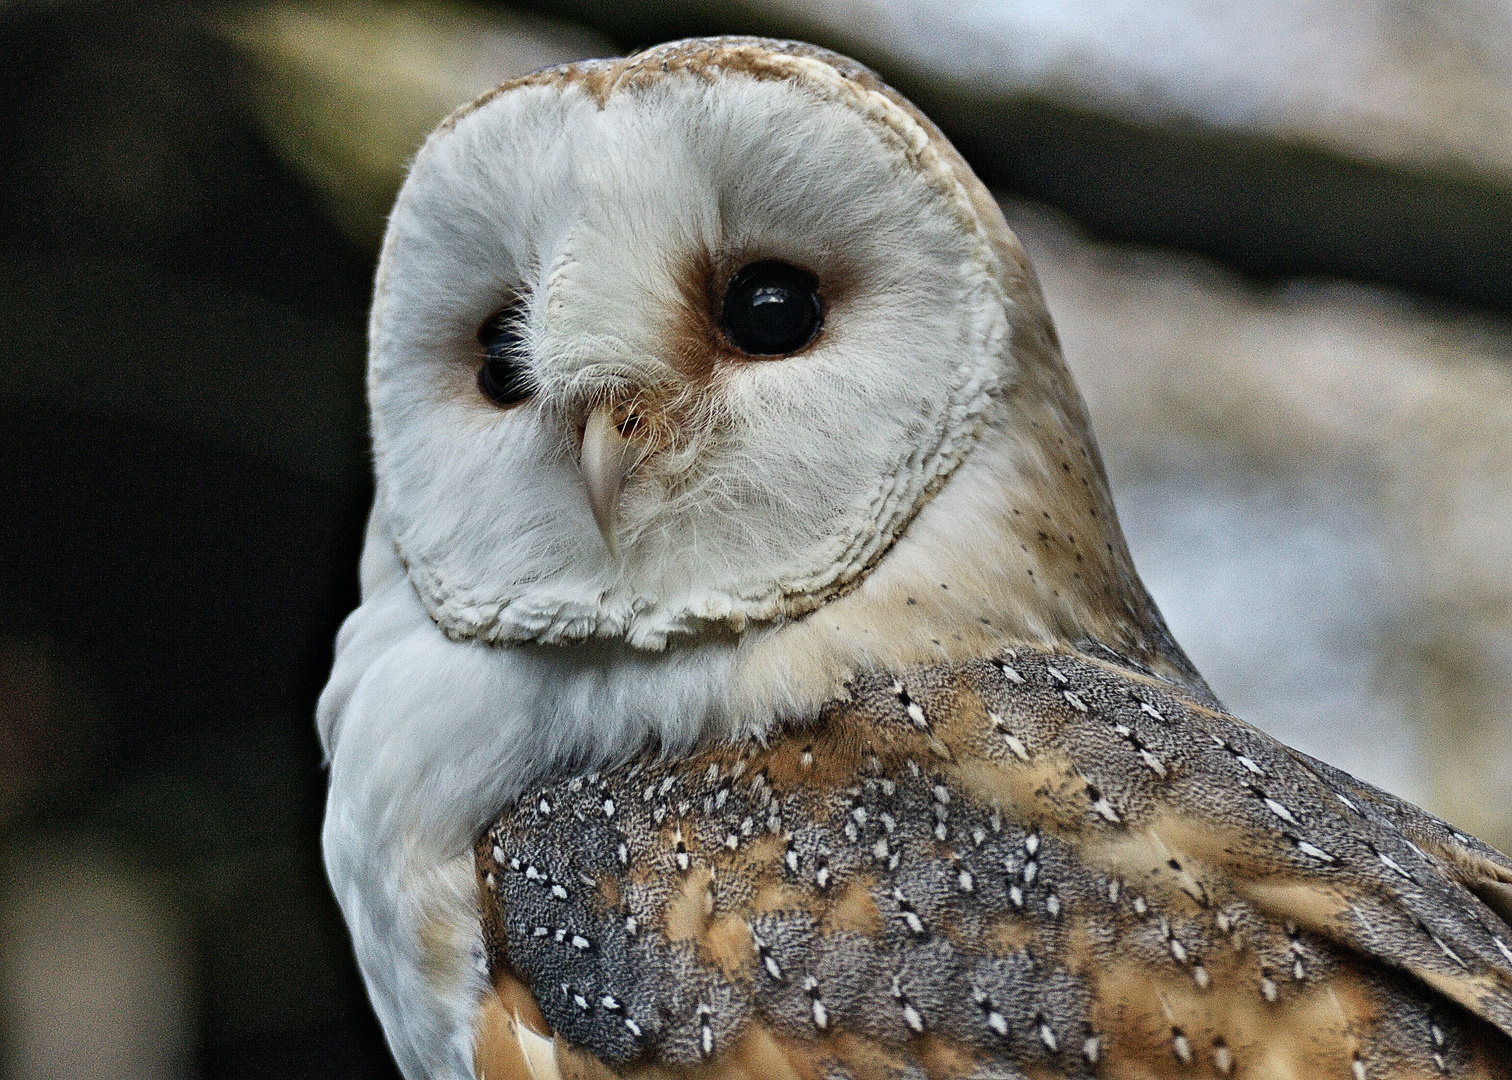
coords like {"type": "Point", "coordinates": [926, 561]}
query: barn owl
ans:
{"type": "Point", "coordinates": [751, 679]}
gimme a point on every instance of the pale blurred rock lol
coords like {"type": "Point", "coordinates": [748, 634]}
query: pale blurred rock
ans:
{"type": "Point", "coordinates": [348, 90]}
{"type": "Point", "coordinates": [1418, 83]}
{"type": "Point", "coordinates": [94, 973]}
{"type": "Point", "coordinates": [1370, 140]}
{"type": "Point", "coordinates": [1317, 483]}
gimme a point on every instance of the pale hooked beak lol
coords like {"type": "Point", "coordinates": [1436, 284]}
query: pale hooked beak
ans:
{"type": "Point", "coordinates": [607, 459]}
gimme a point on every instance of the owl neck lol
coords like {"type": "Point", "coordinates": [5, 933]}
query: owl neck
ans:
{"type": "Point", "coordinates": [1021, 544]}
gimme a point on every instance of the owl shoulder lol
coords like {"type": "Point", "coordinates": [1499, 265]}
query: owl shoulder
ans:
{"type": "Point", "coordinates": [1048, 859]}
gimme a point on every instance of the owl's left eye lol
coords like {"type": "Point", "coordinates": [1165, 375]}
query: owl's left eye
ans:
{"type": "Point", "coordinates": [505, 377]}
{"type": "Point", "coordinates": [772, 308]}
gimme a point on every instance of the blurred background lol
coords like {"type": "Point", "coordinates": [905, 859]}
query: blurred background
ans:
{"type": "Point", "coordinates": [1277, 239]}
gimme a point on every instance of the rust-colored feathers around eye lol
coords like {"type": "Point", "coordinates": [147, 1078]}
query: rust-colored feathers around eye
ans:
{"type": "Point", "coordinates": [1042, 865]}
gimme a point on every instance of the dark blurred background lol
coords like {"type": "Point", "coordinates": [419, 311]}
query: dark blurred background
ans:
{"type": "Point", "coordinates": [1279, 247]}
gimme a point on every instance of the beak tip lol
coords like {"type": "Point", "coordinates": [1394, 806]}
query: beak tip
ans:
{"type": "Point", "coordinates": [607, 532]}
{"type": "Point", "coordinates": [607, 458]}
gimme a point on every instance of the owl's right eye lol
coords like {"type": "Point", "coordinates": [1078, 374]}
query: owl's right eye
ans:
{"type": "Point", "coordinates": [505, 377]}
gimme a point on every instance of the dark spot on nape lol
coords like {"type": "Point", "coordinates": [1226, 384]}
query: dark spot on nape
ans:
{"type": "Point", "coordinates": [1047, 515]}
{"type": "Point", "coordinates": [943, 585]}
{"type": "Point", "coordinates": [1072, 538]}
{"type": "Point", "coordinates": [1065, 466]}
{"type": "Point", "coordinates": [1174, 864]}
{"type": "Point", "coordinates": [1017, 513]}
{"type": "Point", "coordinates": [1045, 536]}
{"type": "Point", "coordinates": [985, 621]}
{"type": "Point", "coordinates": [934, 641]}
{"type": "Point", "coordinates": [912, 601]}
{"type": "Point", "coordinates": [1029, 572]}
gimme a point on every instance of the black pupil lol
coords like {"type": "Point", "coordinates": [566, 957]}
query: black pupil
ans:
{"type": "Point", "coordinates": [505, 377]}
{"type": "Point", "coordinates": [772, 308]}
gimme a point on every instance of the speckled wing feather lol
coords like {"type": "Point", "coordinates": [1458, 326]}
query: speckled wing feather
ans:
{"type": "Point", "coordinates": [1039, 865]}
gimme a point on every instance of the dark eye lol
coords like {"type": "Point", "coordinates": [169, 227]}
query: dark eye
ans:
{"type": "Point", "coordinates": [771, 308]}
{"type": "Point", "coordinates": [504, 377]}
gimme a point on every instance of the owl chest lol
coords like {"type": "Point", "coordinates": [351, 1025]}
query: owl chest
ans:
{"type": "Point", "coordinates": [840, 881]}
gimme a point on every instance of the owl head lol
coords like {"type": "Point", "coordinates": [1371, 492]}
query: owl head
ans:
{"type": "Point", "coordinates": [677, 344]}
